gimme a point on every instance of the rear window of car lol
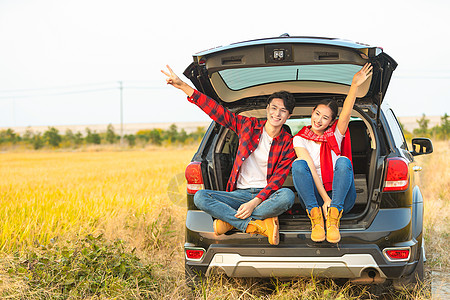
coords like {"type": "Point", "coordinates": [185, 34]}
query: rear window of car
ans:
{"type": "Point", "coordinates": [237, 79]}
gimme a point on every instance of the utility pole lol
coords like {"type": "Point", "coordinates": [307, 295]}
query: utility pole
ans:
{"type": "Point", "coordinates": [121, 111]}
{"type": "Point", "coordinates": [14, 111]}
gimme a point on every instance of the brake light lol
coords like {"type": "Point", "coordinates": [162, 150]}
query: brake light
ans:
{"type": "Point", "coordinates": [194, 177]}
{"type": "Point", "coordinates": [397, 175]}
{"type": "Point", "coordinates": [397, 254]}
{"type": "Point", "coordinates": [195, 254]}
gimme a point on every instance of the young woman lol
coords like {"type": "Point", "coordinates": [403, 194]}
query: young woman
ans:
{"type": "Point", "coordinates": [323, 175]}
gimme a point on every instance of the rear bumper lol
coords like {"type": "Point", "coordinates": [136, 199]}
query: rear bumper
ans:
{"type": "Point", "coordinates": [360, 263]}
{"type": "Point", "coordinates": [358, 256]}
{"type": "Point", "coordinates": [346, 266]}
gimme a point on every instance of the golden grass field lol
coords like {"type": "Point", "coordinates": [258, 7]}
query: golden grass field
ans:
{"type": "Point", "coordinates": [46, 196]}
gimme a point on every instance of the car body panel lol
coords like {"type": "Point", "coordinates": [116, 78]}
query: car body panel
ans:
{"type": "Point", "coordinates": [284, 40]}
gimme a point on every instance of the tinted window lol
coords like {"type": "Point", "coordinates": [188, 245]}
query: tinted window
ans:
{"type": "Point", "coordinates": [396, 131]}
{"type": "Point", "coordinates": [237, 79]}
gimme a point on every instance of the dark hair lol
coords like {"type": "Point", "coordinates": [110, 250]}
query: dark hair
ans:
{"type": "Point", "coordinates": [288, 100]}
{"type": "Point", "coordinates": [332, 104]}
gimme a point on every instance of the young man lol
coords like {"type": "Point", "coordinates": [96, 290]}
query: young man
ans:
{"type": "Point", "coordinates": [254, 198]}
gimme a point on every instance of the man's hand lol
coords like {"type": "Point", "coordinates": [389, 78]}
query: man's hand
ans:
{"type": "Point", "coordinates": [175, 81]}
{"type": "Point", "coordinates": [246, 209]}
{"type": "Point", "coordinates": [326, 205]}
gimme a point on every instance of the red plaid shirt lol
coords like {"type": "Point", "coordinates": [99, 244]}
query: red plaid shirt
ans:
{"type": "Point", "coordinates": [249, 131]}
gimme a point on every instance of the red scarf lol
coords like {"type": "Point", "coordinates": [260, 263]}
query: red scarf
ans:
{"type": "Point", "coordinates": [329, 144]}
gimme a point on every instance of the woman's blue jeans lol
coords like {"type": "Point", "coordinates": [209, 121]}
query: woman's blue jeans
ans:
{"type": "Point", "coordinates": [343, 194]}
{"type": "Point", "coordinates": [224, 205]}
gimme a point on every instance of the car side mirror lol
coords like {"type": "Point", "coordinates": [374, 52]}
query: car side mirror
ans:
{"type": "Point", "coordinates": [421, 146]}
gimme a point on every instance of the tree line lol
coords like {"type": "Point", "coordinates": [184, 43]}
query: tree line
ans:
{"type": "Point", "coordinates": [52, 138]}
{"type": "Point", "coordinates": [438, 132]}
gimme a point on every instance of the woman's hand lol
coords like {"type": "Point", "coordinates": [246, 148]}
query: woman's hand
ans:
{"type": "Point", "coordinates": [175, 81]}
{"type": "Point", "coordinates": [326, 205]}
{"type": "Point", "coordinates": [362, 75]}
{"type": "Point", "coordinates": [358, 79]}
{"type": "Point", "coordinates": [246, 209]}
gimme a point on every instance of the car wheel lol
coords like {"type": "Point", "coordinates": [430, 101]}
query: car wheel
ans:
{"type": "Point", "coordinates": [415, 278]}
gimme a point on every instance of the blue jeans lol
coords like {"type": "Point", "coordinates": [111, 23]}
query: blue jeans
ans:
{"type": "Point", "coordinates": [343, 194]}
{"type": "Point", "coordinates": [224, 205]}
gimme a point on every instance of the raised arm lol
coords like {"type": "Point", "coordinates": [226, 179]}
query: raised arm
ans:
{"type": "Point", "coordinates": [213, 109]}
{"type": "Point", "coordinates": [175, 81]}
{"type": "Point", "coordinates": [358, 79]}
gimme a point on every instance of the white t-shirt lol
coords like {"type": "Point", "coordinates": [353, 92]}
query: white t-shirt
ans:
{"type": "Point", "coordinates": [314, 149]}
{"type": "Point", "coordinates": [253, 173]}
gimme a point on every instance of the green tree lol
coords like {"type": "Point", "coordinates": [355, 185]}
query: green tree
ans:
{"type": "Point", "coordinates": [172, 133]}
{"type": "Point", "coordinates": [28, 136]}
{"type": "Point", "coordinates": [155, 136]}
{"type": "Point", "coordinates": [445, 125]}
{"type": "Point", "coordinates": [52, 137]}
{"type": "Point", "coordinates": [74, 138]}
{"type": "Point", "coordinates": [111, 136]}
{"type": "Point", "coordinates": [78, 138]}
{"type": "Point", "coordinates": [38, 142]}
{"type": "Point", "coordinates": [198, 133]}
{"type": "Point", "coordinates": [9, 135]}
{"type": "Point", "coordinates": [423, 126]}
{"type": "Point", "coordinates": [92, 137]}
{"type": "Point", "coordinates": [182, 136]}
{"type": "Point", "coordinates": [143, 135]}
{"type": "Point", "coordinates": [131, 139]}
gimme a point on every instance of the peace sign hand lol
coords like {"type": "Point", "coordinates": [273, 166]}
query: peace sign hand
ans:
{"type": "Point", "coordinates": [360, 77]}
{"type": "Point", "coordinates": [175, 81]}
{"type": "Point", "coordinates": [172, 78]}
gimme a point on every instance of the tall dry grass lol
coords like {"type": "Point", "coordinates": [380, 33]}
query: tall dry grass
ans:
{"type": "Point", "coordinates": [44, 195]}
{"type": "Point", "coordinates": [124, 195]}
{"type": "Point", "coordinates": [435, 186]}
{"type": "Point", "coordinates": [56, 198]}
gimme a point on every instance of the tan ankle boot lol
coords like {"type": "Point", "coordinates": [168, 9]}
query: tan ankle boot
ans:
{"type": "Point", "coordinates": [317, 230]}
{"type": "Point", "coordinates": [267, 227]}
{"type": "Point", "coordinates": [333, 218]}
{"type": "Point", "coordinates": [221, 227]}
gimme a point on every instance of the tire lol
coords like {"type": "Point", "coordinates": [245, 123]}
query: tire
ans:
{"type": "Point", "coordinates": [409, 282]}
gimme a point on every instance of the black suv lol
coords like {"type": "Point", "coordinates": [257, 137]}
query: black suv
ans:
{"type": "Point", "coordinates": [381, 236]}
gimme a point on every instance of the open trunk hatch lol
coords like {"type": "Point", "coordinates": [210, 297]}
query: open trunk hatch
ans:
{"type": "Point", "coordinates": [297, 64]}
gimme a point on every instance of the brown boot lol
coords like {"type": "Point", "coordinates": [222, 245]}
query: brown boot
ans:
{"type": "Point", "coordinates": [333, 218]}
{"type": "Point", "coordinates": [221, 227]}
{"type": "Point", "coordinates": [317, 230]}
{"type": "Point", "coordinates": [267, 227]}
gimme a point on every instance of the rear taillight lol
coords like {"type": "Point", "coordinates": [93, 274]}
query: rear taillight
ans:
{"type": "Point", "coordinates": [194, 177]}
{"type": "Point", "coordinates": [397, 175]}
{"type": "Point", "coordinates": [194, 253]}
{"type": "Point", "coordinates": [397, 254]}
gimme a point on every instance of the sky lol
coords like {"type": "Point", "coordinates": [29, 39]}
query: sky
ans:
{"type": "Point", "coordinates": [62, 62]}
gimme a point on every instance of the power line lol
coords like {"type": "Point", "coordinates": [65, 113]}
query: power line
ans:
{"type": "Point", "coordinates": [56, 87]}
{"type": "Point", "coordinates": [56, 94]}
{"type": "Point", "coordinates": [34, 93]}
